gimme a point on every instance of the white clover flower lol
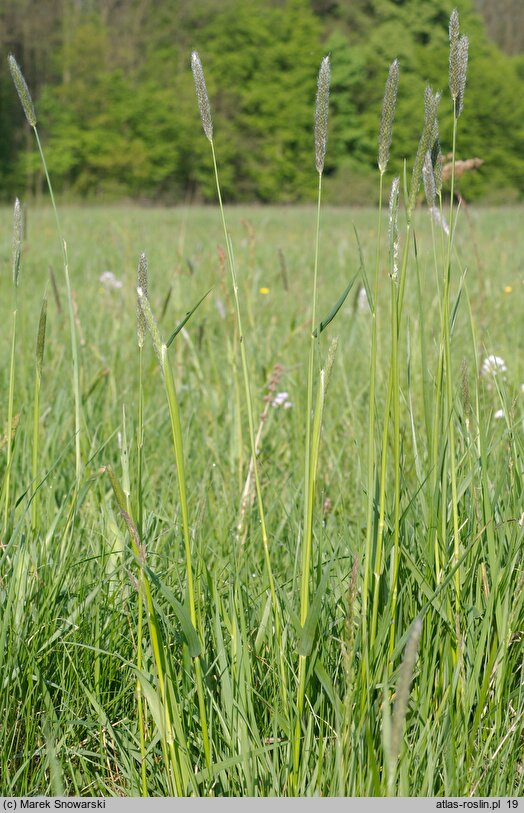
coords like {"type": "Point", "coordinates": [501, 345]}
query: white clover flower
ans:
{"type": "Point", "coordinates": [110, 282]}
{"type": "Point", "coordinates": [492, 365]}
{"type": "Point", "coordinates": [499, 414]}
{"type": "Point", "coordinates": [281, 399]}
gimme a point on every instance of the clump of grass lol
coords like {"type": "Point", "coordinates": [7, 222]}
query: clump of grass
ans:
{"type": "Point", "coordinates": [374, 528]}
{"type": "Point", "coordinates": [174, 412]}
{"type": "Point", "coordinates": [205, 114]}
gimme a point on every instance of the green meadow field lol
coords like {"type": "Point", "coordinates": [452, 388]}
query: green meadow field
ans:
{"type": "Point", "coordinates": [412, 649]}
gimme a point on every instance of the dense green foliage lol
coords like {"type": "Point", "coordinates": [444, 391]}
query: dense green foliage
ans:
{"type": "Point", "coordinates": [115, 97]}
{"type": "Point", "coordinates": [68, 603]}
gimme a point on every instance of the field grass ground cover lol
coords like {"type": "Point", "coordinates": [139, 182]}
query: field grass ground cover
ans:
{"type": "Point", "coordinates": [71, 622]}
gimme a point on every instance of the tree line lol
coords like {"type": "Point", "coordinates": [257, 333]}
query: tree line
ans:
{"type": "Point", "coordinates": [112, 85]}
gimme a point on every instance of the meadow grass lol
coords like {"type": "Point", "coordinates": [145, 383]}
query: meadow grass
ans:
{"type": "Point", "coordinates": [69, 602]}
{"type": "Point", "coordinates": [331, 603]}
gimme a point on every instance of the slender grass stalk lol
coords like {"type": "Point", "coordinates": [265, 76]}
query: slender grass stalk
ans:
{"type": "Point", "coordinates": [15, 280]}
{"type": "Point", "coordinates": [40, 345]}
{"type": "Point", "coordinates": [446, 334]}
{"type": "Point", "coordinates": [176, 429]}
{"type": "Point", "coordinates": [390, 396]}
{"type": "Point", "coordinates": [458, 62]}
{"type": "Point", "coordinates": [393, 396]}
{"type": "Point", "coordinates": [28, 107]}
{"type": "Point", "coordinates": [370, 525]}
{"type": "Point", "coordinates": [142, 282]}
{"type": "Point", "coordinates": [310, 461]}
{"type": "Point", "coordinates": [205, 113]}
{"type": "Point", "coordinates": [384, 146]}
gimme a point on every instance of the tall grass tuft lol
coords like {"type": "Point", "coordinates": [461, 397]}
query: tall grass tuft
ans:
{"type": "Point", "coordinates": [205, 114]}
{"type": "Point", "coordinates": [373, 523]}
{"type": "Point", "coordinates": [313, 418]}
{"type": "Point", "coordinates": [458, 61]}
{"type": "Point", "coordinates": [176, 428]}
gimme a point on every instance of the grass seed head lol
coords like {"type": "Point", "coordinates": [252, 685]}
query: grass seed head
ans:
{"type": "Point", "coordinates": [22, 90]}
{"type": "Point", "coordinates": [394, 242]}
{"type": "Point", "coordinates": [431, 103]}
{"type": "Point", "coordinates": [403, 687]}
{"type": "Point", "coordinates": [463, 48]}
{"type": "Point", "coordinates": [202, 97]}
{"type": "Point", "coordinates": [388, 114]}
{"type": "Point", "coordinates": [17, 241]}
{"type": "Point", "coordinates": [454, 27]}
{"type": "Point", "coordinates": [151, 325]}
{"type": "Point", "coordinates": [40, 341]}
{"type": "Point", "coordinates": [321, 113]}
{"type": "Point", "coordinates": [458, 62]}
{"type": "Point", "coordinates": [142, 283]}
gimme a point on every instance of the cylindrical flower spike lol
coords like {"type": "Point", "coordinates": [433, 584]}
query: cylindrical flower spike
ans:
{"type": "Point", "coordinates": [431, 103]}
{"type": "Point", "coordinates": [17, 242]}
{"type": "Point", "coordinates": [22, 90]}
{"type": "Point", "coordinates": [453, 48]}
{"type": "Point", "coordinates": [394, 242]}
{"type": "Point", "coordinates": [321, 114]}
{"type": "Point", "coordinates": [403, 688]}
{"type": "Point", "coordinates": [462, 58]}
{"type": "Point", "coordinates": [152, 326]}
{"type": "Point", "coordinates": [388, 115]}
{"type": "Point", "coordinates": [201, 92]}
{"type": "Point", "coordinates": [40, 341]}
{"type": "Point", "coordinates": [142, 283]}
{"type": "Point", "coordinates": [458, 62]}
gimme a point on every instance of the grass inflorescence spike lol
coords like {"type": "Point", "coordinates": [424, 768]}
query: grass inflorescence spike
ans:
{"type": "Point", "coordinates": [321, 113]}
{"type": "Point", "coordinates": [388, 115]}
{"type": "Point", "coordinates": [22, 90]}
{"type": "Point", "coordinates": [202, 95]}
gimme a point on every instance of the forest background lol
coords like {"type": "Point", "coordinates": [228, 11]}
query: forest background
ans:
{"type": "Point", "coordinates": [115, 98]}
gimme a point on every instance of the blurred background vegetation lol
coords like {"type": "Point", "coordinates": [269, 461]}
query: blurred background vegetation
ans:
{"type": "Point", "coordinates": [117, 112]}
